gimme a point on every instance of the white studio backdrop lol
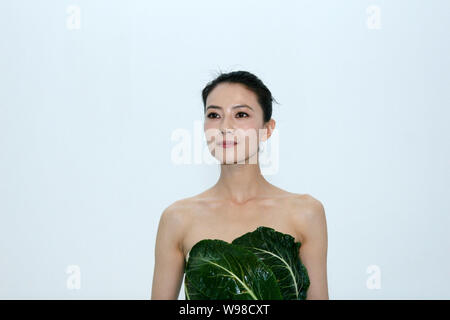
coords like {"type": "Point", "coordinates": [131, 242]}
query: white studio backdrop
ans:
{"type": "Point", "coordinates": [91, 93]}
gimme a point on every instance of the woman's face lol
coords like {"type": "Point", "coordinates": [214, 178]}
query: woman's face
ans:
{"type": "Point", "coordinates": [233, 114]}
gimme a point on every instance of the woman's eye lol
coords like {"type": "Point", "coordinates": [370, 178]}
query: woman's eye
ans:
{"type": "Point", "coordinates": [212, 113]}
{"type": "Point", "coordinates": [242, 113]}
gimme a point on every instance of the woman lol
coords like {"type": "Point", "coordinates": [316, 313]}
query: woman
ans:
{"type": "Point", "coordinates": [238, 110]}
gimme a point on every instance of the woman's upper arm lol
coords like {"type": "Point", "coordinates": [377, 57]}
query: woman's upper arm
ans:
{"type": "Point", "coordinates": [311, 222]}
{"type": "Point", "coordinates": [169, 257]}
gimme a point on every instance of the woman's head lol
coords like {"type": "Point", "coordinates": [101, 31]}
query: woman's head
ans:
{"type": "Point", "coordinates": [251, 82]}
{"type": "Point", "coordinates": [237, 106]}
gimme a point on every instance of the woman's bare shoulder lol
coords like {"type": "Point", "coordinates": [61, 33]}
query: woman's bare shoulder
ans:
{"type": "Point", "coordinates": [306, 210]}
{"type": "Point", "coordinates": [306, 204]}
{"type": "Point", "coordinates": [306, 198]}
{"type": "Point", "coordinates": [180, 207]}
{"type": "Point", "coordinates": [182, 210]}
{"type": "Point", "coordinates": [176, 218]}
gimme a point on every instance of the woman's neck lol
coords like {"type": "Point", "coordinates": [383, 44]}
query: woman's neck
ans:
{"type": "Point", "coordinates": [240, 183]}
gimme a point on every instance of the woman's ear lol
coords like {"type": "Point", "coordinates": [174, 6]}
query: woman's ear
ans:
{"type": "Point", "coordinates": [269, 126]}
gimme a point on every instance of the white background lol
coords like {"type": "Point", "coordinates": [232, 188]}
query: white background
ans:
{"type": "Point", "coordinates": [87, 112]}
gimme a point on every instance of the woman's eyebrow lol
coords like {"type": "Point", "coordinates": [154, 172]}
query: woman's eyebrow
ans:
{"type": "Point", "coordinates": [235, 107]}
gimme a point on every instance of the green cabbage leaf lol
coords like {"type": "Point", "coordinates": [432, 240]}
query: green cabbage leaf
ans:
{"type": "Point", "coordinates": [260, 265]}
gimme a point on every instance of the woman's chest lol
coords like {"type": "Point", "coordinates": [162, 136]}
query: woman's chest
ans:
{"type": "Point", "coordinates": [226, 224]}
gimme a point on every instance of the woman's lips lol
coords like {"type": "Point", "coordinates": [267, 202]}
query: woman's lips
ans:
{"type": "Point", "coordinates": [227, 144]}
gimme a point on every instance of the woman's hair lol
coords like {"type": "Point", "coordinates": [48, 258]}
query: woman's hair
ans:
{"type": "Point", "coordinates": [250, 81]}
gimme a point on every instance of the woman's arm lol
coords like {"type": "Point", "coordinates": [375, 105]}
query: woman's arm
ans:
{"type": "Point", "coordinates": [169, 257]}
{"type": "Point", "coordinates": [311, 224]}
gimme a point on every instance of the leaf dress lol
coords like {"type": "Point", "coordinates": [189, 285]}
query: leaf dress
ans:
{"type": "Point", "coordinates": [260, 265]}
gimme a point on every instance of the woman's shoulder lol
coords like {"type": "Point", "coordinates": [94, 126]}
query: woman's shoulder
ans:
{"type": "Point", "coordinates": [306, 211]}
{"type": "Point", "coordinates": [179, 207]}
{"type": "Point", "coordinates": [306, 199]}
{"type": "Point", "coordinates": [176, 217]}
{"type": "Point", "coordinates": [182, 209]}
{"type": "Point", "coordinates": [305, 204]}
{"type": "Point", "coordinates": [299, 200]}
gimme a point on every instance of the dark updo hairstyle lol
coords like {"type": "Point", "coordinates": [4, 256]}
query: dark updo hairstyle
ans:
{"type": "Point", "coordinates": [250, 81]}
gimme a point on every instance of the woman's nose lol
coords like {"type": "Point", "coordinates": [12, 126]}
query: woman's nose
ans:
{"type": "Point", "coordinates": [226, 127]}
{"type": "Point", "coordinates": [226, 130]}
